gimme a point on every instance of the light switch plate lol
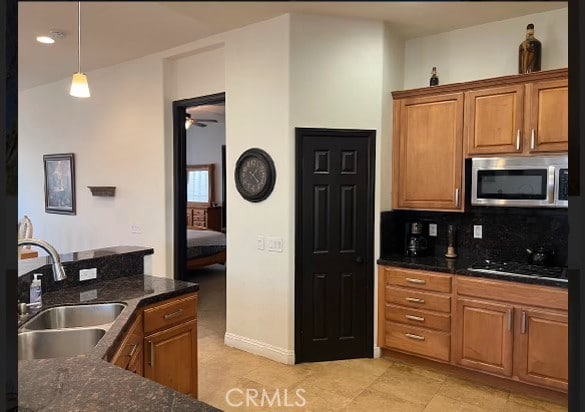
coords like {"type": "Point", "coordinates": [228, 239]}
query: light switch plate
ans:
{"type": "Point", "coordinates": [477, 232]}
{"type": "Point", "coordinates": [274, 244]}
{"type": "Point", "coordinates": [87, 274]}
{"type": "Point", "coordinates": [433, 229]}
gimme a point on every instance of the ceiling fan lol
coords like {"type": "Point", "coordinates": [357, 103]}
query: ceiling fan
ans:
{"type": "Point", "coordinates": [197, 122]}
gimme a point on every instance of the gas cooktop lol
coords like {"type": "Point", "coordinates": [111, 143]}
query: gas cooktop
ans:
{"type": "Point", "coordinates": [520, 270]}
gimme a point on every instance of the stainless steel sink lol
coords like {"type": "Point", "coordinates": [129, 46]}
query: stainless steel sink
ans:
{"type": "Point", "coordinates": [65, 331]}
{"type": "Point", "coordinates": [43, 344]}
{"type": "Point", "coordinates": [76, 316]}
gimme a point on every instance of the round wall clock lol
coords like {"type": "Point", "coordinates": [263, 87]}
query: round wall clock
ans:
{"type": "Point", "coordinates": [255, 175]}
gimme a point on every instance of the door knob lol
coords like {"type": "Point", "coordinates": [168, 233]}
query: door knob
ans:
{"type": "Point", "coordinates": [359, 260]}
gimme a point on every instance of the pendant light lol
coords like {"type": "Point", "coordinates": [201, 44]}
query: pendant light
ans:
{"type": "Point", "coordinates": [79, 86]}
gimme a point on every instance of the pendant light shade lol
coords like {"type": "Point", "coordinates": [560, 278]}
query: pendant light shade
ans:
{"type": "Point", "coordinates": [79, 85]}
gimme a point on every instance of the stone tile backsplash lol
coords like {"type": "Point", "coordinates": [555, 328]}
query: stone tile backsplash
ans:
{"type": "Point", "coordinates": [507, 232]}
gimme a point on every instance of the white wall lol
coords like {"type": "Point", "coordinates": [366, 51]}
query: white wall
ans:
{"type": "Point", "coordinates": [116, 136]}
{"type": "Point", "coordinates": [204, 147]}
{"type": "Point", "coordinates": [484, 51]}
{"type": "Point", "coordinates": [259, 292]}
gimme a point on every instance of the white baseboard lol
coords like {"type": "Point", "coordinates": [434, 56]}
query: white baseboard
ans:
{"type": "Point", "coordinates": [377, 352]}
{"type": "Point", "coordinates": [260, 348]}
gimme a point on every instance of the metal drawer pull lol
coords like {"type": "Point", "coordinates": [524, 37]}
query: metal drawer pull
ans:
{"type": "Point", "coordinates": [133, 350]}
{"type": "Point", "coordinates": [415, 300]}
{"type": "Point", "coordinates": [415, 337]}
{"type": "Point", "coordinates": [457, 197]}
{"type": "Point", "coordinates": [523, 322]}
{"type": "Point", "coordinates": [509, 319]}
{"type": "Point", "coordinates": [518, 140]}
{"type": "Point", "coordinates": [417, 318]}
{"type": "Point", "coordinates": [151, 354]}
{"type": "Point", "coordinates": [173, 315]}
{"type": "Point", "coordinates": [532, 140]}
{"type": "Point", "coordinates": [417, 281]}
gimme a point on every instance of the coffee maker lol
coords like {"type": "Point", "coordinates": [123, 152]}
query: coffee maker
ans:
{"type": "Point", "coordinates": [416, 243]}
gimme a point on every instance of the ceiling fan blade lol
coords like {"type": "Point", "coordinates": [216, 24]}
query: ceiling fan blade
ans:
{"type": "Point", "coordinates": [200, 124]}
{"type": "Point", "coordinates": [207, 120]}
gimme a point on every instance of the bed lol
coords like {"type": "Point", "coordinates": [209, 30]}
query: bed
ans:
{"type": "Point", "coordinates": [204, 247]}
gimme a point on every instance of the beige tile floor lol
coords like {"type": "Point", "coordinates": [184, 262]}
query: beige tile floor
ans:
{"type": "Point", "coordinates": [351, 385]}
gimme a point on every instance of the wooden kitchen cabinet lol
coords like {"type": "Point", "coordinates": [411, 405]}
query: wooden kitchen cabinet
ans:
{"type": "Point", "coordinates": [548, 116]}
{"type": "Point", "coordinates": [484, 337]}
{"type": "Point", "coordinates": [542, 347]}
{"type": "Point", "coordinates": [130, 354]}
{"type": "Point", "coordinates": [428, 153]}
{"type": "Point", "coordinates": [512, 330]}
{"type": "Point", "coordinates": [170, 343]}
{"type": "Point", "coordinates": [171, 357]}
{"type": "Point", "coordinates": [494, 120]}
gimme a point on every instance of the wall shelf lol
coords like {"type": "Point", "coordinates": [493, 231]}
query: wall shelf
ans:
{"type": "Point", "coordinates": [109, 191]}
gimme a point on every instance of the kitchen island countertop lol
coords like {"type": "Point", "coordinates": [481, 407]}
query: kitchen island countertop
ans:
{"type": "Point", "coordinates": [88, 382]}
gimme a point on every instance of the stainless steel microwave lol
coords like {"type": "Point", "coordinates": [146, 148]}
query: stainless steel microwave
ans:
{"type": "Point", "coordinates": [539, 181]}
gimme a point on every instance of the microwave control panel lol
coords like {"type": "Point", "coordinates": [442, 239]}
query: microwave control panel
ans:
{"type": "Point", "coordinates": [564, 184]}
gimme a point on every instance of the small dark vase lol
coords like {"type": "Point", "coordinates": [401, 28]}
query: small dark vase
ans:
{"type": "Point", "coordinates": [529, 53]}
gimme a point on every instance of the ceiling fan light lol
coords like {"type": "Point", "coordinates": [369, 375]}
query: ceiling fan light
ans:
{"type": "Point", "coordinates": [79, 86]}
{"type": "Point", "coordinates": [188, 121]}
{"type": "Point", "coordinates": [45, 39]}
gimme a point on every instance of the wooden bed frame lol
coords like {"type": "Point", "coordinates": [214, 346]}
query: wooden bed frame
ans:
{"type": "Point", "coordinates": [197, 263]}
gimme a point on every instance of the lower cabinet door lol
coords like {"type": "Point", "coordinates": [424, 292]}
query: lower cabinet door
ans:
{"type": "Point", "coordinates": [542, 348]}
{"type": "Point", "coordinates": [171, 357]}
{"type": "Point", "coordinates": [484, 336]}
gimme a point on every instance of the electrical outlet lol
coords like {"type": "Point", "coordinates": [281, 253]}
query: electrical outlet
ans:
{"type": "Point", "coordinates": [260, 243]}
{"type": "Point", "coordinates": [87, 274]}
{"type": "Point", "coordinates": [274, 244]}
{"type": "Point", "coordinates": [433, 229]}
{"type": "Point", "coordinates": [477, 231]}
{"type": "Point", "coordinates": [136, 229]}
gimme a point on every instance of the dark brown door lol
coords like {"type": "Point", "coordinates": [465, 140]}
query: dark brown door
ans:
{"type": "Point", "coordinates": [334, 267]}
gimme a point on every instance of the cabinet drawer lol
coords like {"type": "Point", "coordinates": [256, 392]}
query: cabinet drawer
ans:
{"type": "Point", "coordinates": [130, 346]}
{"type": "Point", "coordinates": [418, 340]}
{"type": "Point", "coordinates": [417, 317]}
{"type": "Point", "coordinates": [418, 279]}
{"type": "Point", "coordinates": [198, 213]}
{"type": "Point", "coordinates": [418, 299]}
{"type": "Point", "coordinates": [169, 313]}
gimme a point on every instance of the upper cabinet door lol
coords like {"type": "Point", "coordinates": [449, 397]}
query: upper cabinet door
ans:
{"type": "Point", "coordinates": [494, 120]}
{"type": "Point", "coordinates": [547, 116]}
{"type": "Point", "coordinates": [428, 154]}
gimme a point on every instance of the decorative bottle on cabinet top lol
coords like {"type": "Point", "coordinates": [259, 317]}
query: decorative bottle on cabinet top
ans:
{"type": "Point", "coordinates": [434, 78]}
{"type": "Point", "coordinates": [529, 53]}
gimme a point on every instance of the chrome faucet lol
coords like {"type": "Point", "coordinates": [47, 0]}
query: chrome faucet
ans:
{"type": "Point", "coordinates": [58, 271]}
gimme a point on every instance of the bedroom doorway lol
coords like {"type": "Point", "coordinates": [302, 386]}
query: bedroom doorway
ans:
{"type": "Point", "coordinates": [199, 184]}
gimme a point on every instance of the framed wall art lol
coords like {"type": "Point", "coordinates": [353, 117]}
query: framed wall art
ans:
{"type": "Point", "coordinates": [59, 183]}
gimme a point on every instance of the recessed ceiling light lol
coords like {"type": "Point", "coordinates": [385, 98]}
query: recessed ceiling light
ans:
{"type": "Point", "coordinates": [50, 39]}
{"type": "Point", "coordinates": [45, 39]}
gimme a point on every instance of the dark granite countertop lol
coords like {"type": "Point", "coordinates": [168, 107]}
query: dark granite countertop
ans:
{"type": "Point", "coordinates": [459, 266]}
{"type": "Point", "coordinates": [27, 265]}
{"type": "Point", "coordinates": [88, 382]}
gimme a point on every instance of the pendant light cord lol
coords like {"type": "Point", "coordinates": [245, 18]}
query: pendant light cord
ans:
{"type": "Point", "coordinates": [78, 37]}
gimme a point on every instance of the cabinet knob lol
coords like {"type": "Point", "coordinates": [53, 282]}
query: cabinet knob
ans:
{"type": "Point", "coordinates": [359, 260]}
